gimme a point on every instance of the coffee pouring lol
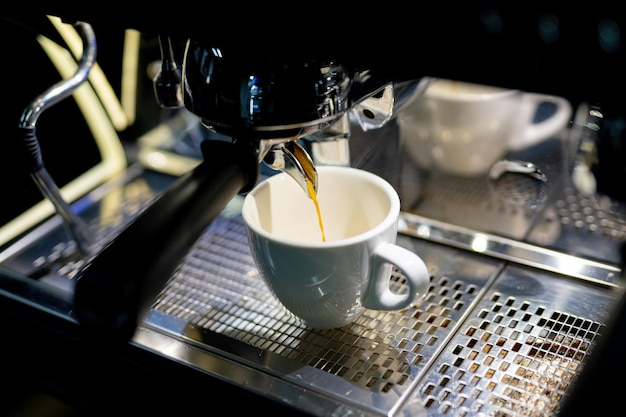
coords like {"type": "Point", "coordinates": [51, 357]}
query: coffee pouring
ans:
{"type": "Point", "coordinates": [293, 159]}
{"type": "Point", "coordinates": [266, 90]}
{"type": "Point", "coordinates": [264, 103]}
{"type": "Point", "coordinates": [328, 283]}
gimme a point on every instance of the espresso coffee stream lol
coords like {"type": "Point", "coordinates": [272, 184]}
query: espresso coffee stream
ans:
{"type": "Point", "coordinates": [313, 195]}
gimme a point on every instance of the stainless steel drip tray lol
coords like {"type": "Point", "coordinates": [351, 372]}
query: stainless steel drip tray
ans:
{"type": "Point", "coordinates": [489, 337]}
{"type": "Point", "coordinates": [499, 332]}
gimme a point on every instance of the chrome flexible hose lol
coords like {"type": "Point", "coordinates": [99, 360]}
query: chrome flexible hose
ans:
{"type": "Point", "coordinates": [27, 128]}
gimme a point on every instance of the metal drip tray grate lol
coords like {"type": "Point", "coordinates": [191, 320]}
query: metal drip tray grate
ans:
{"type": "Point", "coordinates": [518, 354]}
{"type": "Point", "coordinates": [523, 280]}
{"type": "Point", "coordinates": [491, 337]}
{"type": "Point", "coordinates": [217, 289]}
{"type": "Point", "coordinates": [487, 338]}
{"type": "Point", "coordinates": [586, 226]}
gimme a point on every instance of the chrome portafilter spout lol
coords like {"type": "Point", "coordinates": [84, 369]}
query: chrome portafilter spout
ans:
{"type": "Point", "coordinates": [27, 129]}
{"type": "Point", "coordinates": [274, 99]}
{"type": "Point", "coordinates": [291, 158]}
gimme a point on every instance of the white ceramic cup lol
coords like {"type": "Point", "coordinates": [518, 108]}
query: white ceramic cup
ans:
{"type": "Point", "coordinates": [328, 284]}
{"type": "Point", "coordinates": [462, 128]}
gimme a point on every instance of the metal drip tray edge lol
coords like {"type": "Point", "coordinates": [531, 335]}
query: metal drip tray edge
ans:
{"type": "Point", "coordinates": [508, 249]}
{"type": "Point", "coordinates": [259, 371]}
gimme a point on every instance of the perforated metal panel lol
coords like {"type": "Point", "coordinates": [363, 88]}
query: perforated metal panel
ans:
{"type": "Point", "coordinates": [519, 295]}
{"type": "Point", "coordinates": [518, 353]}
{"type": "Point", "coordinates": [217, 288]}
{"type": "Point", "coordinates": [487, 338]}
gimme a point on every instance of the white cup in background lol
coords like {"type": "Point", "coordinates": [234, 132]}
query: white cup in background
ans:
{"type": "Point", "coordinates": [462, 128]}
{"type": "Point", "coordinates": [328, 284]}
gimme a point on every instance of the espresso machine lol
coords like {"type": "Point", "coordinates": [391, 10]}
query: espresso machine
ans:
{"type": "Point", "coordinates": [524, 313]}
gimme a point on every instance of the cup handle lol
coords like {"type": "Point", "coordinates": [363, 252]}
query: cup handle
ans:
{"type": "Point", "coordinates": [533, 133]}
{"type": "Point", "coordinates": [378, 295]}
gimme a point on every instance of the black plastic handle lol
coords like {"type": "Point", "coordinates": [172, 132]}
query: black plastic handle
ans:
{"type": "Point", "coordinates": [116, 290]}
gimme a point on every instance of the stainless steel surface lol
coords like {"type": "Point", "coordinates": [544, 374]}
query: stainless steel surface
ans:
{"type": "Point", "coordinates": [514, 308]}
{"type": "Point", "coordinates": [510, 250]}
{"type": "Point", "coordinates": [489, 337]}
